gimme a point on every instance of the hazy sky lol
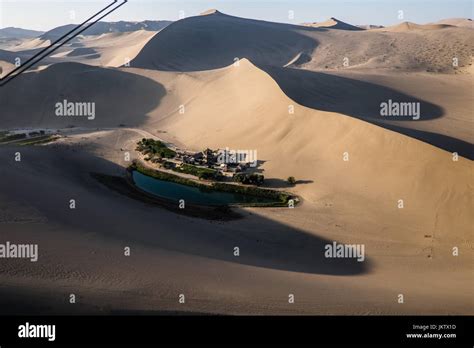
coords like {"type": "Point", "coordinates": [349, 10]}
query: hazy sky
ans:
{"type": "Point", "coordinates": [45, 15]}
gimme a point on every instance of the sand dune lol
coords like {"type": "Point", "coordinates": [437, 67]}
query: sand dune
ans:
{"type": "Point", "coordinates": [215, 40]}
{"type": "Point", "coordinates": [23, 40]}
{"type": "Point", "coordinates": [211, 11]}
{"type": "Point", "coordinates": [458, 22]}
{"type": "Point", "coordinates": [351, 201]}
{"type": "Point", "coordinates": [370, 26]}
{"type": "Point", "coordinates": [120, 97]}
{"type": "Point", "coordinates": [413, 50]}
{"type": "Point", "coordinates": [333, 23]}
{"type": "Point", "coordinates": [111, 49]}
{"type": "Point", "coordinates": [6, 44]}
{"type": "Point", "coordinates": [407, 50]}
{"type": "Point", "coordinates": [107, 28]}
{"type": "Point", "coordinates": [18, 33]}
{"type": "Point", "coordinates": [445, 118]}
{"type": "Point", "coordinates": [5, 67]}
{"type": "Point", "coordinates": [305, 137]}
{"type": "Point", "coordinates": [30, 44]}
{"type": "Point", "coordinates": [9, 60]}
{"type": "Point", "coordinates": [409, 26]}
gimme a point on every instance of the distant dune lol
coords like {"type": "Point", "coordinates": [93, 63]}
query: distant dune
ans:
{"type": "Point", "coordinates": [211, 11]}
{"type": "Point", "coordinates": [27, 45]}
{"type": "Point", "coordinates": [9, 60]}
{"type": "Point", "coordinates": [458, 22]}
{"type": "Point", "coordinates": [405, 47]}
{"type": "Point", "coordinates": [107, 27]}
{"type": "Point", "coordinates": [18, 33]}
{"type": "Point", "coordinates": [215, 40]}
{"type": "Point", "coordinates": [333, 23]}
{"type": "Point", "coordinates": [111, 49]}
{"type": "Point", "coordinates": [370, 26]}
{"type": "Point", "coordinates": [408, 26]}
{"type": "Point", "coordinates": [5, 67]}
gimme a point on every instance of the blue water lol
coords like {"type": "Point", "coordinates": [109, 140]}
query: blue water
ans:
{"type": "Point", "coordinates": [194, 195]}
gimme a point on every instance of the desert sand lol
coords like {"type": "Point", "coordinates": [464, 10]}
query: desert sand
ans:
{"type": "Point", "coordinates": [333, 23]}
{"type": "Point", "coordinates": [458, 22]}
{"type": "Point", "coordinates": [245, 104]}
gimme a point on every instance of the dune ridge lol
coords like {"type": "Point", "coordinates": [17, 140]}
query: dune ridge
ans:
{"type": "Point", "coordinates": [215, 41]}
{"type": "Point", "coordinates": [409, 26]}
{"type": "Point", "coordinates": [333, 23]}
{"type": "Point", "coordinates": [458, 22]}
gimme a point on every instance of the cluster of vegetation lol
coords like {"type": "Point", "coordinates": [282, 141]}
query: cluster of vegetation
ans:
{"type": "Point", "coordinates": [154, 148]}
{"type": "Point", "coordinates": [167, 164]}
{"type": "Point", "coordinates": [201, 173]}
{"type": "Point", "coordinates": [291, 180]}
{"type": "Point", "coordinates": [35, 133]}
{"type": "Point", "coordinates": [6, 137]}
{"type": "Point", "coordinates": [280, 198]}
{"type": "Point", "coordinates": [34, 138]}
{"type": "Point", "coordinates": [37, 140]}
{"type": "Point", "coordinates": [249, 179]}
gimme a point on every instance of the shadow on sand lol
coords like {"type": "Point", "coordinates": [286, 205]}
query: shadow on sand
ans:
{"type": "Point", "coordinates": [61, 173]}
{"type": "Point", "coordinates": [343, 95]}
{"type": "Point", "coordinates": [118, 97]}
{"type": "Point", "coordinates": [280, 183]}
{"type": "Point", "coordinates": [363, 100]}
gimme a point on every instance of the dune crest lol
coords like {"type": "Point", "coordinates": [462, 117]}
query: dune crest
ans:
{"type": "Point", "coordinates": [458, 22]}
{"type": "Point", "coordinates": [215, 41]}
{"type": "Point", "coordinates": [333, 23]}
{"type": "Point", "coordinates": [211, 11]}
{"type": "Point", "coordinates": [409, 26]}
